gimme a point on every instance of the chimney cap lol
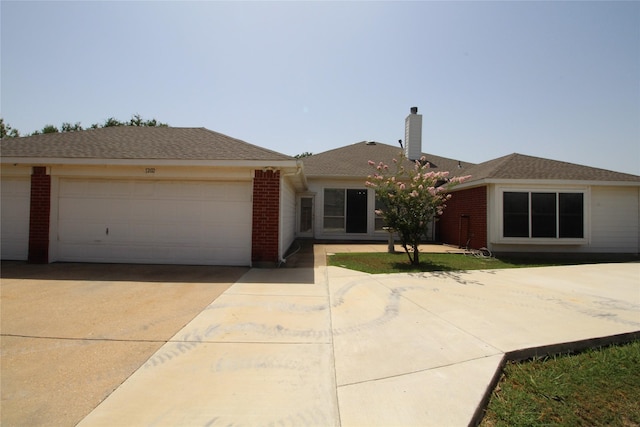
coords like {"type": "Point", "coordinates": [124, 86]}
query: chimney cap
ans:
{"type": "Point", "coordinates": [414, 110]}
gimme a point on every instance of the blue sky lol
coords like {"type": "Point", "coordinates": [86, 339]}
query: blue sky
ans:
{"type": "Point", "coordinates": [552, 79]}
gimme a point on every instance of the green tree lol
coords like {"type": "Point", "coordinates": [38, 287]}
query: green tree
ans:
{"type": "Point", "coordinates": [46, 129]}
{"type": "Point", "coordinates": [7, 131]}
{"type": "Point", "coordinates": [68, 127]}
{"type": "Point", "coordinates": [136, 120]}
{"type": "Point", "coordinates": [411, 198]}
{"type": "Point", "coordinates": [112, 122]}
{"type": "Point", "coordinates": [303, 155]}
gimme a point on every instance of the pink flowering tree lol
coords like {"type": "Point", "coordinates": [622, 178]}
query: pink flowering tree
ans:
{"type": "Point", "coordinates": [412, 197]}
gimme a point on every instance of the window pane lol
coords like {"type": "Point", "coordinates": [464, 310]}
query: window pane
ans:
{"type": "Point", "coordinates": [515, 214]}
{"type": "Point", "coordinates": [379, 221]}
{"type": "Point", "coordinates": [306, 214]}
{"type": "Point", "coordinates": [333, 224]}
{"type": "Point", "coordinates": [334, 202]}
{"type": "Point", "coordinates": [543, 214]}
{"type": "Point", "coordinates": [571, 208]}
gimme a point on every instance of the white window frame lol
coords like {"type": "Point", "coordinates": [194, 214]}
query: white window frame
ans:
{"type": "Point", "coordinates": [499, 237]}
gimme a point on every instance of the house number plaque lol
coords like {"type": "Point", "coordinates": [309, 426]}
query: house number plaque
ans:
{"type": "Point", "coordinates": [149, 170]}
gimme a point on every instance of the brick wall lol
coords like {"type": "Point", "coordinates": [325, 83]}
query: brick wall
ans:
{"type": "Point", "coordinates": [266, 217]}
{"type": "Point", "coordinates": [39, 215]}
{"type": "Point", "coordinates": [465, 217]}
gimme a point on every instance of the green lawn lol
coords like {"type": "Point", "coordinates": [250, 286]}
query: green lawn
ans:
{"type": "Point", "coordinates": [596, 388]}
{"type": "Point", "coordinates": [383, 262]}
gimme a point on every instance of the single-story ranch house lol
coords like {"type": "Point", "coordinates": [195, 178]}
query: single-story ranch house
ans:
{"type": "Point", "coordinates": [146, 195]}
{"type": "Point", "coordinates": [194, 196]}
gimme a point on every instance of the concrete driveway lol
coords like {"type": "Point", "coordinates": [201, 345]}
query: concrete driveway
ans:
{"type": "Point", "coordinates": [314, 345]}
{"type": "Point", "coordinates": [72, 333]}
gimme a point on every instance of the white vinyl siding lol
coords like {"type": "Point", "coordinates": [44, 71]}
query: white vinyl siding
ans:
{"type": "Point", "coordinates": [615, 217]}
{"type": "Point", "coordinates": [14, 227]}
{"type": "Point", "coordinates": [143, 221]}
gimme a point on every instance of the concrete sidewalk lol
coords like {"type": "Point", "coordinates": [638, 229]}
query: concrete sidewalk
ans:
{"type": "Point", "coordinates": [354, 349]}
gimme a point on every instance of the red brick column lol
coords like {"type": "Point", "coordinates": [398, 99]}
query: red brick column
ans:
{"type": "Point", "coordinates": [40, 209]}
{"type": "Point", "coordinates": [465, 217]}
{"type": "Point", "coordinates": [266, 218]}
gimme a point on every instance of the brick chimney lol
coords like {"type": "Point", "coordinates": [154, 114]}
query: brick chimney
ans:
{"type": "Point", "coordinates": [413, 135]}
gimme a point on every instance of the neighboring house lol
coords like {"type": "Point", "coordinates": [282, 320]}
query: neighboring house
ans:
{"type": "Point", "coordinates": [514, 203]}
{"type": "Point", "coordinates": [146, 195]}
{"type": "Point", "coordinates": [194, 196]}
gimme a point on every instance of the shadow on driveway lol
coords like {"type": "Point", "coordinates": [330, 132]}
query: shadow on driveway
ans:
{"type": "Point", "coordinates": [72, 333]}
{"type": "Point", "coordinates": [120, 272]}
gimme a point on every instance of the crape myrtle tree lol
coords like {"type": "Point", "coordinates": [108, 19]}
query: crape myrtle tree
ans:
{"type": "Point", "coordinates": [411, 197]}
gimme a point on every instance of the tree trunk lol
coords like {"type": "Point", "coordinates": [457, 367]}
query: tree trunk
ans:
{"type": "Point", "coordinates": [416, 256]}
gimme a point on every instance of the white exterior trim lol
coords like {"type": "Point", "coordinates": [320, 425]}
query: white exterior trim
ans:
{"type": "Point", "coordinates": [256, 164]}
{"type": "Point", "coordinates": [496, 236]}
{"type": "Point", "coordinates": [543, 182]}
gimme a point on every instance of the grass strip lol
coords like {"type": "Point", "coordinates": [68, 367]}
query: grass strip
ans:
{"type": "Point", "coordinates": [383, 262]}
{"type": "Point", "coordinates": [599, 387]}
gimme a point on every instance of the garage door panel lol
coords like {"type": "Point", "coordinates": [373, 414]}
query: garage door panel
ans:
{"type": "Point", "coordinates": [15, 196]}
{"type": "Point", "coordinates": [119, 209]}
{"type": "Point", "coordinates": [218, 236]}
{"type": "Point", "coordinates": [142, 232]}
{"type": "Point", "coordinates": [170, 190]}
{"type": "Point", "coordinates": [154, 222]}
{"type": "Point", "coordinates": [74, 188]}
{"type": "Point", "coordinates": [143, 189]}
{"type": "Point", "coordinates": [74, 231]}
{"type": "Point", "coordinates": [80, 208]}
{"type": "Point", "coordinates": [216, 193]}
{"type": "Point", "coordinates": [189, 211]}
{"type": "Point", "coordinates": [238, 193]}
{"type": "Point", "coordinates": [142, 210]}
{"type": "Point", "coordinates": [166, 210]}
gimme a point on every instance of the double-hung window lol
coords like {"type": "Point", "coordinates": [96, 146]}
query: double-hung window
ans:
{"type": "Point", "coordinates": [556, 215]}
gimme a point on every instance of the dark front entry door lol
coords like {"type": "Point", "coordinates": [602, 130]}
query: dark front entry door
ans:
{"type": "Point", "coordinates": [357, 211]}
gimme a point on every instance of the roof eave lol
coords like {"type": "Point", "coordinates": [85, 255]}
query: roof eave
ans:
{"type": "Point", "coordinates": [556, 182]}
{"type": "Point", "coordinates": [29, 161]}
{"type": "Point", "coordinates": [323, 176]}
{"type": "Point", "coordinates": [297, 177]}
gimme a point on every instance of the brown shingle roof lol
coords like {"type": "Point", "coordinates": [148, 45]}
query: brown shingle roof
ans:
{"type": "Point", "coordinates": [351, 161]}
{"type": "Point", "coordinates": [130, 142]}
{"type": "Point", "coordinates": [519, 166]}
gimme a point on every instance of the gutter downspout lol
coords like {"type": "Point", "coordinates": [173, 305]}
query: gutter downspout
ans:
{"type": "Point", "coordinates": [298, 171]}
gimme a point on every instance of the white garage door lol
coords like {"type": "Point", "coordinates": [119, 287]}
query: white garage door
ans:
{"type": "Point", "coordinates": [158, 222]}
{"type": "Point", "coordinates": [14, 212]}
